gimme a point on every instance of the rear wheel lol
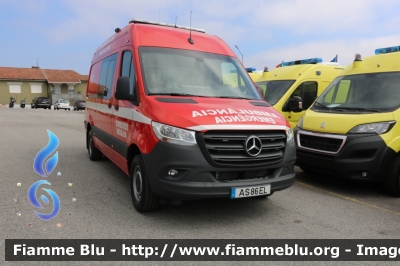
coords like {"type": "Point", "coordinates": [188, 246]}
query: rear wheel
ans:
{"type": "Point", "coordinates": [392, 182]}
{"type": "Point", "coordinates": [142, 197]}
{"type": "Point", "coordinates": [94, 153]}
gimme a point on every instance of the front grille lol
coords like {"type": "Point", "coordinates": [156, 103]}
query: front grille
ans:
{"type": "Point", "coordinates": [326, 144]}
{"type": "Point", "coordinates": [227, 148]}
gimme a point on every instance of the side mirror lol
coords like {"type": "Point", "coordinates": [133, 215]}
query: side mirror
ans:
{"type": "Point", "coordinates": [122, 91]}
{"type": "Point", "coordinates": [295, 104]}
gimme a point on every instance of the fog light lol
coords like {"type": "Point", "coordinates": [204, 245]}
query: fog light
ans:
{"type": "Point", "coordinates": [364, 174]}
{"type": "Point", "coordinates": [172, 172]}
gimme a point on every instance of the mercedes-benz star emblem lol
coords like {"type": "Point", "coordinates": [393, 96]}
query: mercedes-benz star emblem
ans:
{"type": "Point", "coordinates": [253, 146]}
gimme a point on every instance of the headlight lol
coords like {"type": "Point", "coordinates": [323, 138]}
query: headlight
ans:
{"type": "Point", "coordinates": [378, 128]}
{"type": "Point", "coordinates": [300, 123]}
{"type": "Point", "coordinates": [289, 134]}
{"type": "Point", "coordinates": [173, 134]}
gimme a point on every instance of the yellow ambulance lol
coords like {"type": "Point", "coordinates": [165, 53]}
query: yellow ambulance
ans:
{"type": "Point", "coordinates": [306, 79]}
{"type": "Point", "coordinates": [351, 130]}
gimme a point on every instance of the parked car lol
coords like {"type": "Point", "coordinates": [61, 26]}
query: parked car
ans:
{"type": "Point", "coordinates": [41, 102]}
{"type": "Point", "coordinates": [79, 105]}
{"type": "Point", "coordinates": [62, 104]}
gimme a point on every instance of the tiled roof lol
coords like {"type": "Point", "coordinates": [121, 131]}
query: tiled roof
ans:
{"type": "Point", "coordinates": [64, 76]}
{"type": "Point", "coordinates": [13, 73]}
{"type": "Point", "coordinates": [51, 75]}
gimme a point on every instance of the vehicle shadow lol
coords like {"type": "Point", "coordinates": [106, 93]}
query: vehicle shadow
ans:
{"type": "Point", "coordinates": [346, 187]}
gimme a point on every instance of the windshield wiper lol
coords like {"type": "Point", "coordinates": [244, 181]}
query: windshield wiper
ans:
{"type": "Point", "coordinates": [233, 97]}
{"type": "Point", "coordinates": [356, 109]}
{"type": "Point", "coordinates": [323, 105]}
{"type": "Point", "coordinates": [178, 94]}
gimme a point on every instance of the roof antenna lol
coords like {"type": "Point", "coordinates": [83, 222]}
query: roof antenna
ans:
{"type": "Point", "coordinates": [190, 37]}
{"type": "Point", "coordinates": [176, 18]}
{"type": "Point", "coordinates": [37, 62]}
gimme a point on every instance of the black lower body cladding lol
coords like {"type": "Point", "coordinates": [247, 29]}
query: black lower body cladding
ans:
{"type": "Point", "coordinates": [363, 156]}
{"type": "Point", "coordinates": [195, 178]}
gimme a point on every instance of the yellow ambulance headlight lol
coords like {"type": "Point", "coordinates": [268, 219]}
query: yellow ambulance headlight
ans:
{"type": "Point", "coordinates": [378, 128]}
{"type": "Point", "coordinates": [300, 123]}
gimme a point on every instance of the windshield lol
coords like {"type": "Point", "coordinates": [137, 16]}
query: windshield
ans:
{"type": "Point", "coordinates": [64, 101]}
{"type": "Point", "coordinates": [191, 73]}
{"type": "Point", "coordinates": [373, 92]}
{"type": "Point", "coordinates": [273, 91]}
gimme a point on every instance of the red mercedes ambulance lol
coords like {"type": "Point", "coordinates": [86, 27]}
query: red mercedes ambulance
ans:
{"type": "Point", "coordinates": [174, 108]}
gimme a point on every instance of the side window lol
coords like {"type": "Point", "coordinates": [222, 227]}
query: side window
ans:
{"type": "Point", "coordinates": [107, 76]}
{"type": "Point", "coordinates": [308, 93]}
{"type": "Point", "coordinates": [263, 88]}
{"type": "Point", "coordinates": [338, 95]}
{"type": "Point", "coordinates": [127, 69]}
{"type": "Point", "coordinates": [229, 75]}
{"type": "Point", "coordinates": [342, 91]}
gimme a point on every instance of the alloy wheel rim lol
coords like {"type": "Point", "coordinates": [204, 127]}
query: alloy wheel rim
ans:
{"type": "Point", "coordinates": [137, 183]}
{"type": "Point", "coordinates": [90, 145]}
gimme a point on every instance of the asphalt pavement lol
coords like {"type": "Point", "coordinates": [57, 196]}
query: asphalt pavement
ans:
{"type": "Point", "coordinates": [96, 203]}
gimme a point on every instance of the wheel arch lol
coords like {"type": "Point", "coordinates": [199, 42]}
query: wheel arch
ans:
{"type": "Point", "coordinates": [132, 152]}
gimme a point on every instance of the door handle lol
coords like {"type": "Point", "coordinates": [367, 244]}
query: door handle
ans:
{"type": "Point", "coordinates": [109, 105]}
{"type": "Point", "coordinates": [116, 107]}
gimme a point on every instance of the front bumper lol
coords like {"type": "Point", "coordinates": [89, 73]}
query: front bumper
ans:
{"type": "Point", "coordinates": [198, 179]}
{"type": "Point", "coordinates": [361, 153]}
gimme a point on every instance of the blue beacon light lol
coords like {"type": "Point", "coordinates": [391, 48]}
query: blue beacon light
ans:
{"type": "Point", "coordinates": [387, 50]}
{"type": "Point", "coordinates": [302, 62]}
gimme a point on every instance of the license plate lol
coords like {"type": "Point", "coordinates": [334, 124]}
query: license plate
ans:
{"type": "Point", "coordinates": [244, 192]}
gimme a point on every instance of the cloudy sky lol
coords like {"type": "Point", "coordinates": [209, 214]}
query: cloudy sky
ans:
{"type": "Point", "coordinates": [63, 34]}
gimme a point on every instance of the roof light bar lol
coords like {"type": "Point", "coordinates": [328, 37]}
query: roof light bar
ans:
{"type": "Point", "coordinates": [250, 69]}
{"type": "Point", "coordinates": [302, 62]}
{"type": "Point", "coordinates": [141, 21]}
{"type": "Point", "coordinates": [387, 50]}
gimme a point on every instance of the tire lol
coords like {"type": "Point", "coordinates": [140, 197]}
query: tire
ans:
{"type": "Point", "coordinates": [142, 197]}
{"type": "Point", "coordinates": [392, 182]}
{"type": "Point", "coordinates": [94, 153]}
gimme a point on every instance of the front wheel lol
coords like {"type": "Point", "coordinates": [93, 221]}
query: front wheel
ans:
{"type": "Point", "coordinates": [142, 197]}
{"type": "Point", "coordinates": [392, 182]}
{"type": "Point", "coordinates": [94, 153]}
